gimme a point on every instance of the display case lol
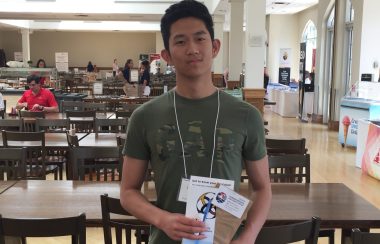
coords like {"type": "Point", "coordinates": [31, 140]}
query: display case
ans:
{"type": "Point", "coordinates": [361, 102]}
{"type": "Point", "coordinates": [16, 77]}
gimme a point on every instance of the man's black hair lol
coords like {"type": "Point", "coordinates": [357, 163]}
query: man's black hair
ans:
{"type": "Point", "coordinates": [31, 78]}
{"type": "Point", "coordinates": [184, 9]}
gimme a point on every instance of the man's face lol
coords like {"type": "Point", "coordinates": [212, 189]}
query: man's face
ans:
{"type": "Point", "coordinates": [191, 49]}
{"type": "Point", "coordinates": [34, 87]}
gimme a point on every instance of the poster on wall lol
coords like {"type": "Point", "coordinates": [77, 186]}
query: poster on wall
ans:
{"type": "Point", "coordinates": [62, 61]}
{"type": "Point", "coordinates": [143, 57]}
{"type": "Point", "coordinates": [155, 62]}
{"type": "Point", "coordinates": [284, 76]}
{"type": "Point", "coordinates": [285, 57]}
{"type": "Point", "coordinates": [302, 65]}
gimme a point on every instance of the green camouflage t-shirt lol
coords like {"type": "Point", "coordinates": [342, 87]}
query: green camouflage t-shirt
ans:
{"type": "Point", "coordinates": [152, 135]}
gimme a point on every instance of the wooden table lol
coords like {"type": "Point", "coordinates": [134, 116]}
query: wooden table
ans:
{"type": "Point", "coordinates": [5, 185]}
{"type": "Point", "coordinates": [99, 115]}
{"type": "Point", "coordinates": [59, 140]}
{"type": "Point", "coordinates": [334, 203]}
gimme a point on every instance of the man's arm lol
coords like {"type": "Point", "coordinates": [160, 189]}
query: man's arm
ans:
{"type": "Point", "coordinates": [258, 175]}
{"type": "Point", "coordinates": [176, 226]}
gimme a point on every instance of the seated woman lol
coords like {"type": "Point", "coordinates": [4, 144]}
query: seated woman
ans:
{"type": "Point", "coordinates": [42, 64]}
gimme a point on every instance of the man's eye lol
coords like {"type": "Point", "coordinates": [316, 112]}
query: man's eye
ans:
{"type": "Point", "coordinates": [179, 42]}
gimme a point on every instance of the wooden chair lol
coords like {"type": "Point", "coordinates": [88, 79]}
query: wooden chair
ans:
{"type": "Point", "coordinates": [55, 156]}
{"type": "Point", "coordinates": [289, 168]}
{"type": "Point", "coordinates": [82, 121]}
{"type": "Point", "coordinates": [359, 237]}
{"type": "Point", "coordinates": [307, 231]}
{"type": "Point", "coordinates": [36, 152]}
{"type": "Point", "coordinates": [94, 161]}
{"type": "Point", "coordinates": [13, 163]}
{"type": "Point", "coordinates": [28, 119]}
{"type": "Point", "coordinates": [11, 124]}
{"type": "Point", "coordinates": [286, 146]}
{"type": "Point", "coordinates": [99, 107]}
{"type": "Point", "coordinates": [52, 125]}
{"type": "Point", "coordinates": [123, 113]}
{"type": "Point", "coordinates": [71, 105]}
{"type": "Point", "coordinates": [111, 125]}
{"type": "Point", "coordinates": [294, 168]}
{"type": "Point", "coordinates": [74, 226]}
{"type": "Point", "coordinates": [112, 206]}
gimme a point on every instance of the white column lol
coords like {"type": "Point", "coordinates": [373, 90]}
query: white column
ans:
{"type": "Point", "coordinates": [236, 39]}
{"type": "Point", "coordinates": [159, 47]}
{"type": "Point", "coordinates": [218, 34]}
{"type": "Point", "coordinates": [255, 43]}
{"type": "Point", "coordinates": [25, 46]}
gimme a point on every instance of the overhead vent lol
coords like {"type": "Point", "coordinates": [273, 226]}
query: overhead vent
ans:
{"type": "Point", "coordinates": [81, 15]}
{"type": "Point", "coordinates": [40, 1]}
{"type": "Point", "coordinates": [281, 3]}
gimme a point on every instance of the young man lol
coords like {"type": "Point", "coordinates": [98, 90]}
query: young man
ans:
{"type": "Point", "coordinates": [37, 98]}
{"type": "Point", "coordinates": [194, 129]}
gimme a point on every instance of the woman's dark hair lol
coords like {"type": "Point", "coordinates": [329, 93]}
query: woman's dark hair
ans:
{"type": "Point", "coordinates": [146, 64]}
{"type": "Point", "coordinates": [31, 78]}
{"type": "Point", "coordinates": [128, 62]}
{"type": "Point", "coordinates": [185, 9]}
{"type": "Point", "coordinates": [39, 61]}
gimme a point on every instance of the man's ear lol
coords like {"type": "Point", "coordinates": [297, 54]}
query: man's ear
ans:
{"type": "Point", "coordinates": [166, 55]}
{"type": "Point", "coordinates": [215, 47]}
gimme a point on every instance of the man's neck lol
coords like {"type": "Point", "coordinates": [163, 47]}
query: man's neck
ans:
{"type": "Point", "coordinates": [195, 89]}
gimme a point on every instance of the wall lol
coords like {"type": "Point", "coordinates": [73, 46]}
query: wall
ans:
{"type": "Point", "coordinates": [1, 39]}
{"type": "Point", "coordinates": [99, 47]}
{"type": "Point", "coordinates": [370, 36]}
{"type": "Point", "coordinates": [11, 43]}
{"type": "Point", "coordinates": [225, 45]}
{"type": "Point", "coordinates": [278, 38]}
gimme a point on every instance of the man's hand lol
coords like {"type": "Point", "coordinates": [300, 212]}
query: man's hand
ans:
{"type": "Point", "coordinates": [36, 107]}
{"type": "Point", "coordinates": [177, 227]}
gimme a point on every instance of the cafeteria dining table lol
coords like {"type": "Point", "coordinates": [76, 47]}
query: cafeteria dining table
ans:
{"type": "Point", "coordinates": [59, 140]}
{"type": "Point", "coordinates": [5, 185]}
{"type": "Point", "coordinates": [336, 204]}
{"type": "Point", "coordinates": [99, 115]}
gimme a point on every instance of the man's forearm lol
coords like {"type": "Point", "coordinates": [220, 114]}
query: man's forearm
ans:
{"type": "Point", "coordinates": [50, 109]}
{"type": "Point", "coordinates": [137, 205]}
{"type": "Point", "coordinates": [257, 214]}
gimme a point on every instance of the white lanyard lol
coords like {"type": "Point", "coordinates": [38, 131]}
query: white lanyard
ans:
{"type": "Point", "coordinates": [180, 136]}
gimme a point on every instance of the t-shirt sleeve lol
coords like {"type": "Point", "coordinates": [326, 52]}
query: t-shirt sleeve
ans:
{"type": "Point", "coordinates": [136, 145]}
{"type": "Point", "coordinates": [51, 100]}
{"type": "Point", "coordinates": [22, 99]}
{"type": "Point", "coordinates": [254, 146]}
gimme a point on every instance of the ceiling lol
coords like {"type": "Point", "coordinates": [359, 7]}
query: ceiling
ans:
{"type": "Point", "coordinates": [112, 15]}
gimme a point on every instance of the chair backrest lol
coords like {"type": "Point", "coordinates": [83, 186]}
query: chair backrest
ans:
{"type": "Point", "coordinates": [36, 151]}
{"type": "Point", "coordinates": [72, 140]}
{"type": "Point", "coordinates": [123, 113]}
{"type": "Point", "coordinates": [71, 105]}
{"type": "Point", "coordinates": [286, 146]}
{"type": "Point", "coordinates": [13, 163]}
{"type": "Point", "coordinates": [111, 125]}
{"type": "Point", "coordinates": [289, 168]}
{"type": "Point", "coordinates": [53, 125]}
{"type": "Point", "coordinates": [74, 226]}
{"type": "Point", "coordinates": [82, 121]}
{"type": "Point", "coordinates": [32, 114]}
{"type": "Point", "coordinates": [11, 124]}
{"type": "Point", "coordinates": [112, 205]}
{"type": "Point", "coordinates": [307, 231]}
{"type": "Point", "coordinates": [99, 107]}
{"type": "Point", "coordinates": [86, 159]}
{"type": "Point", "coordinates": [359, 237]}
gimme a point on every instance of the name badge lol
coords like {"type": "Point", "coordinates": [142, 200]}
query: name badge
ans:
{"type": "Point", "coordinates": [182, 193]}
